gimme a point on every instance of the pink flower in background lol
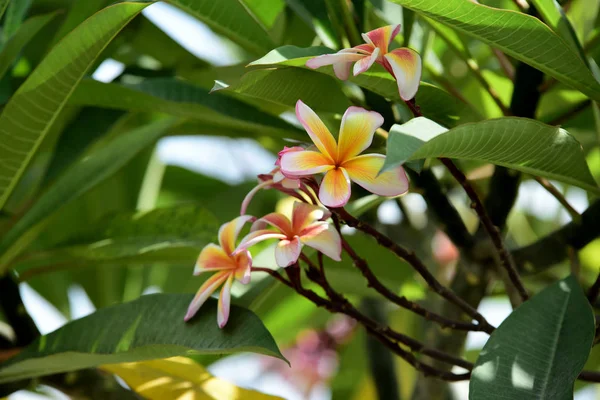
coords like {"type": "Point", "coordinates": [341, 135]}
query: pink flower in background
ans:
{"type": "Point", "coordinates": [307, 227]}
{"type": "Point", "coordinates": [341, 161]}
{"type": "Point", "coordinates": [226, 268]}
{"type": "Point", "coordinates": [403, 64]}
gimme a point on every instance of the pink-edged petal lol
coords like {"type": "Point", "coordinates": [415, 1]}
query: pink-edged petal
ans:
{"type": "Point", "coordinates": [328, 242]}
{"type": "Point", "coordinates": [244, 261]}
{"type": "Point", "coordinates": [382, 37]}
{"type": "Point", "coordinates": [250, 195]}
{"type": "Point", "coordinates": [256, 237]}
{"type": "Point", "coordinates": [304, 163]}
{"type": "Point", "coordinates": [229, 232]}
{"type": "Point", "coordinates": [278, 221]}
{"type": "Point", "coordinates": [213, 258]}
{"type": "Point", "coordinates": [365, 63]}
{"type": "Point", "coordinates": [364, 170]}
{"type": "Point", "coordinates": [405, 65]}
{"type": "Point", "coordinates": [287, 252]}
{"type": "Point", "coordinates": [282, 152]}
{"type": "Point", "coordinates": [356, 132]}
{"type": "Point", "coordinates": [305, 214]}
{"type": "Point", "coordinates": [341, 62]}
{"type": "Point", "coordinates": [316, 129]}
{"type": "Point", "coordinates": [207, 288]}
{"type": "Point", "coordinates": [224, 303]}
{"type": "Point", "coordinates": [335, 188]}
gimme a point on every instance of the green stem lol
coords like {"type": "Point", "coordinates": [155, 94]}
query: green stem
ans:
{"type": "Point", "coordinates": [349, 23]}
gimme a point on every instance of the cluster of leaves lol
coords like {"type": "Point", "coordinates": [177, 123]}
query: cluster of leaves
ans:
{"type": "Point", "coordinates": [85, 201]}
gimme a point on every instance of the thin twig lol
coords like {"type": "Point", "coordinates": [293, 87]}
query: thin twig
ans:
{"type": "Point", "coordinates": [558, 196]}
{"type": "Point", "coordinates": [493, 232]}
{"type": "Point", "coordinates": [416, 263]}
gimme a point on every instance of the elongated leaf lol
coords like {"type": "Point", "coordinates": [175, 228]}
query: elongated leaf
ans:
{"type": "Point", "coordinates": [148, 328]}
{"type": "Point", "coordinates": [435, 103]}
{"type": "Point", "coordinates": [30, 113]}
{"type": "Point", "coordinates": [266, 11]}
{"type": "Point", "coordinates": [539, 350]}
{"type": "Point", "coordinates": [175, 97]}
{"type": "Point", "coordinates": [15, 14]}
{"type": "Point", "coordinates": [519, 143]}
{"type": "Point", "coordinates": [26, 32]}
{"type": "Point", "coordinates": [521, 36]}
{"type": "Point", "coordinates": [285, 86]}
{"type": "Point", "coordinates": [3, 5]}
{"type": "Point", "coordinates": [229, 18]}
{"type": "Point", "coordinates": [179, 378]}
{"type": "Point", "coordinates": [82, 176]}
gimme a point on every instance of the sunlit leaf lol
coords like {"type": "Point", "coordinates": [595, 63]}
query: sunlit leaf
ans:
{"type": "Point", "coordinates": [539, 350]}
{"type": "Point", "coordinates": [519, 143]}
{"type": "Point", "coordinates": [148, 328]}
{"type": "Point", "coordinates": [30, 113]}
{"type": "Point", "coordinates": [179, 378]}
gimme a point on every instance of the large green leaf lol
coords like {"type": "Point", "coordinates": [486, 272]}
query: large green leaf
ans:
{"type": "Point", "coordinates": [521, 36]}
{"type": "Point", "coordinates": [435, 103]}
{"type": "Point", "coordinates": [539, 350]}
{"type": "Point", "coordinates": [15, 14]}
{"type": "Point", "coordinates": [175, 97]}
{"type": "Point", "coordinates": [30, 113]}
{"type": "Point", "coordinates": [25, 33]}
{"type": "Point", "coordinates": [231, 19]}
{"type": "Point", "coordinates": [519, 143]}
{"type": "Point", "coordinates": [148, 328]}
{"type": "Point", "coordinates": [3, 5]}
{"type": "Point", "coordinates": [83, 175]}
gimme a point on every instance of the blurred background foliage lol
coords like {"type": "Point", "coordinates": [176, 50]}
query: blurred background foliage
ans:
{"type": "Point", "coordinates": [173, 161]}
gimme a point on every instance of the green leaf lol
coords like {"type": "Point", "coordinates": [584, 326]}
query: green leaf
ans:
{"type": "Point", "coordinates": [82, 176]}
{"type": "Point", "coordinates": [15, 14]}
{"type": "Point", "coordinates": [519, 143]}
{"type": "Point", "coordinates": [3, 5]}
{"type": "Point", "coordinates": [175, 97]}
{"type": "Point", "coordinates": [285, 86]}
{"type": "Point", "coordinates": [148, 328]}
{"type": "Point", "coordinates": [436, 103]}
{"type": "Point", "coordinates": [229, 18]}
{"type": "Point", "coordinates": [30, 113]}
{"type": "Point", "coordinates": [539, 350]}
{"type": "Point", "coordinates": [266, 11]}
{"type": "Point", "coordinates": [521, 36]}
{"type": "Point", "coordinates": [26, 32]}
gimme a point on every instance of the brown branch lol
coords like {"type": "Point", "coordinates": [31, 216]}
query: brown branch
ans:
{"type": "Point", "coordinates": [489, 226]}
{"type": "Point", "coordinates": [416, 263]}
{"type": "Point", "coordinates": [558, 196]}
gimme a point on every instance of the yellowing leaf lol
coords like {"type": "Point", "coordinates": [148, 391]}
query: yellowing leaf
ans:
{"type": "Point", "coordinates": [179, 378]}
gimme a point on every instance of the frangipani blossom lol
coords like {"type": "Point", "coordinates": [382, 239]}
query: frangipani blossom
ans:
{"type": "Point", "coordinates": [341, 161]}
{"type": "Point", "coordinates": [225, 265]}
{"type": "Point", "coordinates": [404, 64]}
{"type": "Point", "coordinates": [307, 227]}
{"type": "Point", "coordinates": [274, 179]}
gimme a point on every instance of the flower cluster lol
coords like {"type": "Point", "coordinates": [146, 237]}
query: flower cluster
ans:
{"type": "Point", "coordinates": [295, 174]}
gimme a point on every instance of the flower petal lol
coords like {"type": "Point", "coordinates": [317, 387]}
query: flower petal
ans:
{"type": "Point", "coordinates": [229, 232]}
{"type": "Point", "coordinates": [207, 288]}
{"type": "Point", "coordinates": [341, 62]}
{"type": "Point", "coordinates": [364, 169]}
{"type": "Point", "coordinates": [213, 258]}
{"type": "Point", "coordinates": [364, 64]}
{"type": "Point", "coordinates": [316, 129]}
{"type": "Point", "coordinates": [277, 220]}
{"type": "Point", "coordinates": [335, 188]}
{"type": "Point", "coordinates": [305, 214]}
{"type": "Point", "coordinates": [327, 242]}
{"type": "Point", "coordinates": [244, 262]}
{"type": "Point", "coordinates": [304, 163]}
{"type": "Point", "coordinates": [405, 65]}
{"type": "Point", "coordinates": [287, 252]}
{"type": "Point", "coordinates": [356, 132]}
{"type": "Point", "coordinates": [382, 37]}
{"type": "Point", "coordinates": [256, 237]}
{"type": "Point", "coordinates": [224, 303]}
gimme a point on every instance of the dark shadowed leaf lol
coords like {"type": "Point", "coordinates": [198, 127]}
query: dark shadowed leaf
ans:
{"type": "Point", "coordinates": [148, 328]}
{"type": "Point", "coordinates": [539, 350]}
{"type": "Point", "coordinates": [519, 143]}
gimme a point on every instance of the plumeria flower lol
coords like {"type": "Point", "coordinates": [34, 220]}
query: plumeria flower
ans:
{"type": "Point", "coordinates": [226, 268]}
{"type": "Point", "coordinates": [273, 180]}
{"type": "Point", "coordinates": [341, 161]}
{"type": "Point", "coordinates": [308, 226]}
{"type": "Point", "coordinates": [404, 64]}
